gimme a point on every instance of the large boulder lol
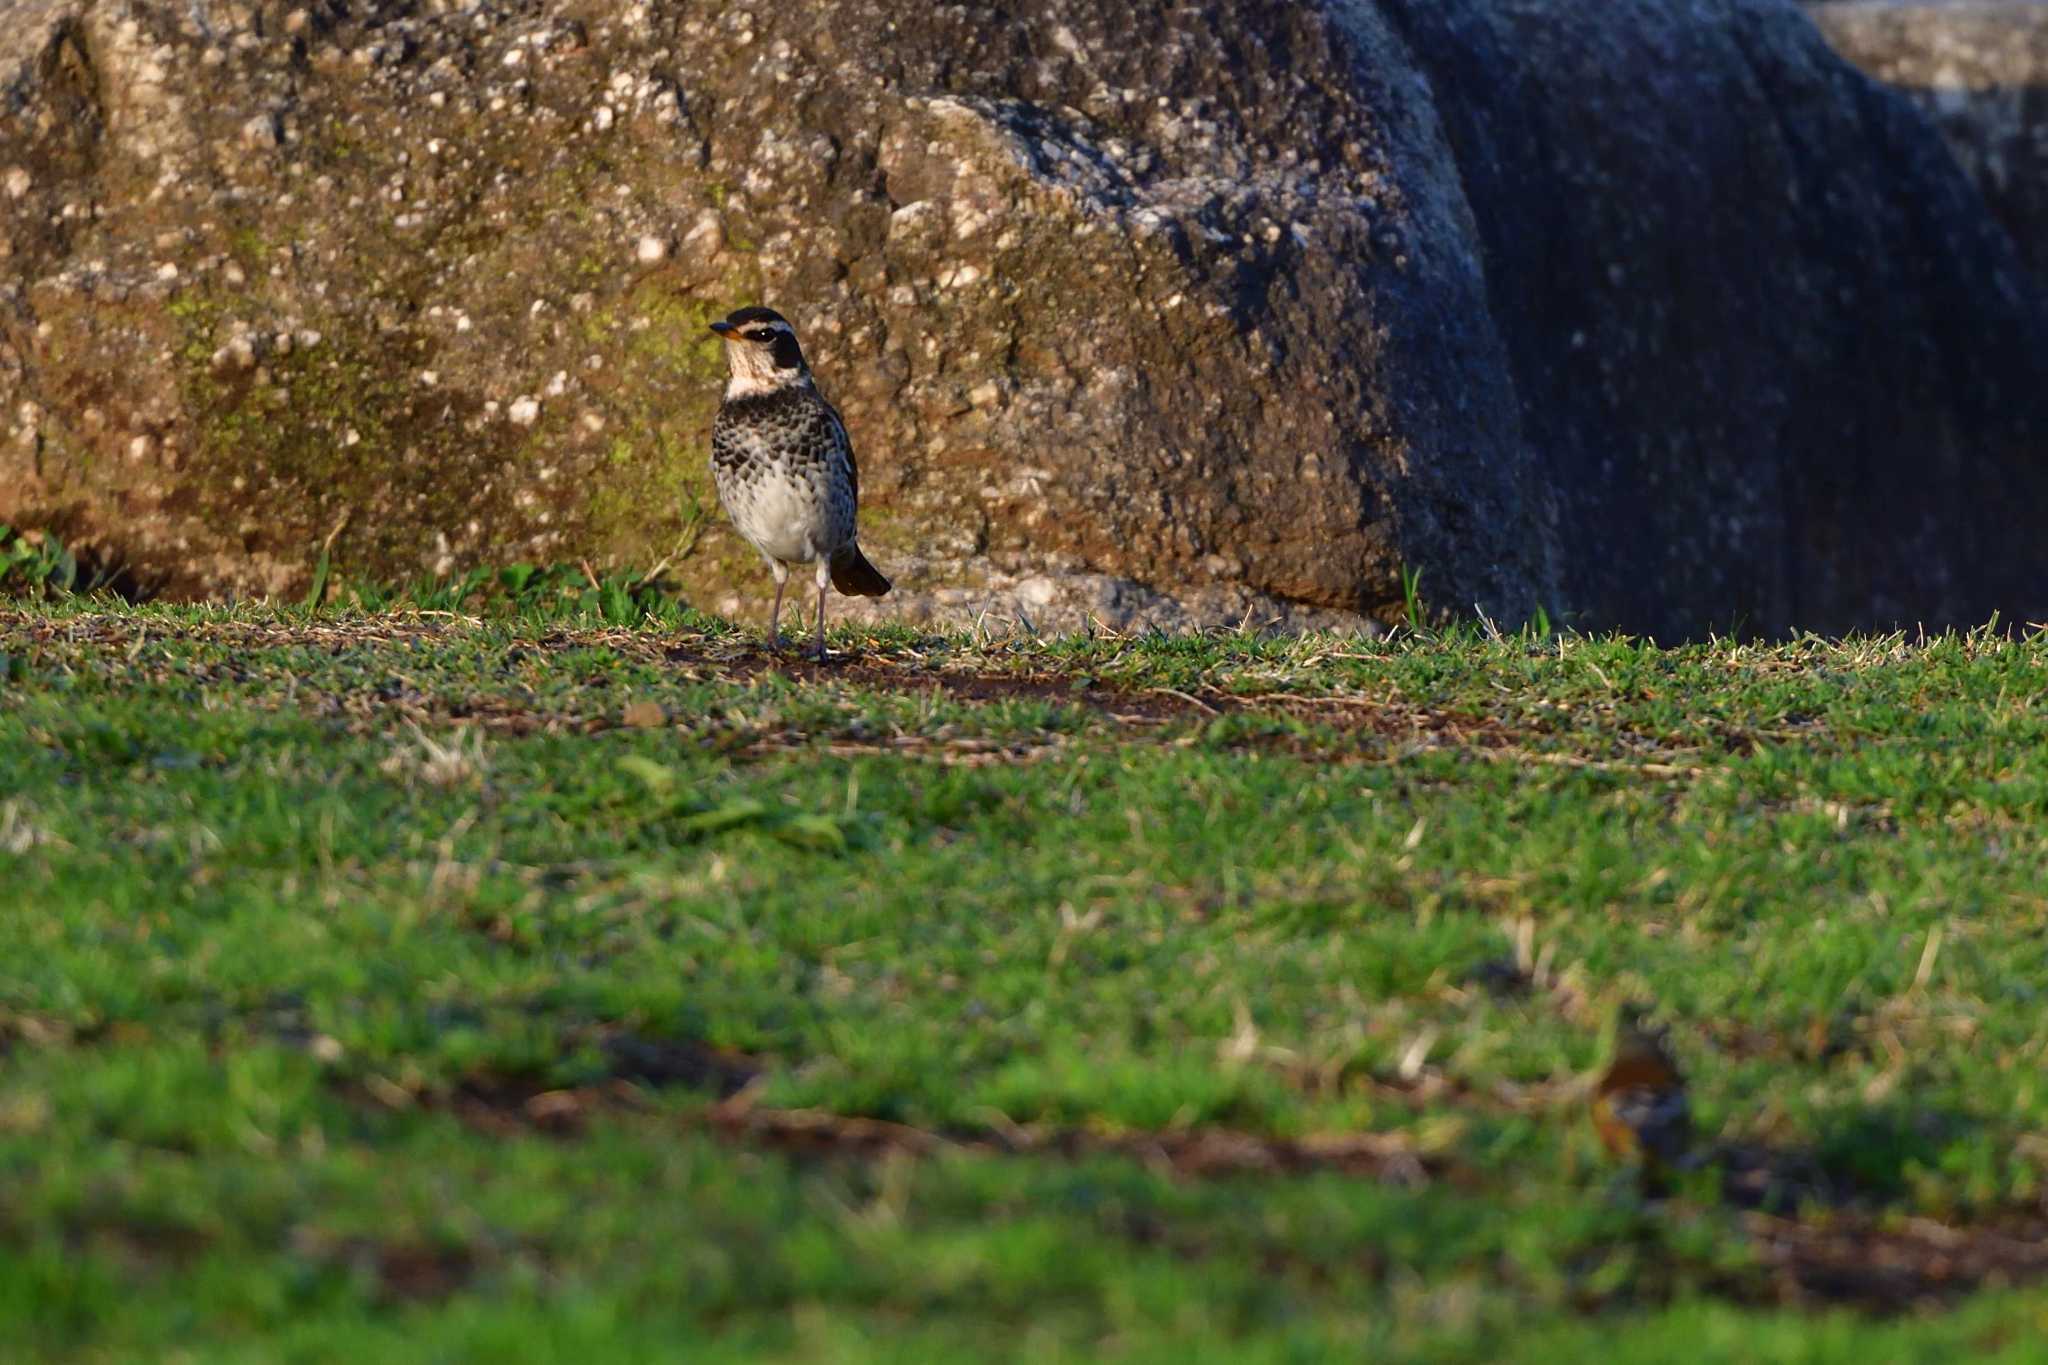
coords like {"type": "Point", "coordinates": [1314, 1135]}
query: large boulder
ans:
{"type": "Point", "coordinates": [1657, 313]}
{"type": "Point", "coordinates": [1781, 367]}
{"type": "Point", "coordinates": [1979, 72]}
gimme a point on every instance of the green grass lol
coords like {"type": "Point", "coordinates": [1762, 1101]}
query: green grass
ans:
{"type": "Point", "coordinates": [376, 985]}
{"type": "Point", "coordinates": [33, 563]}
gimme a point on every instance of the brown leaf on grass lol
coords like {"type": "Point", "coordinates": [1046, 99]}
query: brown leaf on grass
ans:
{"type": "Point", "coordinates": [644, 715]}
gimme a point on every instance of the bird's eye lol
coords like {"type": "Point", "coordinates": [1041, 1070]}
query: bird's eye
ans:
{"type": "Point", "coordinates": [761, 336]}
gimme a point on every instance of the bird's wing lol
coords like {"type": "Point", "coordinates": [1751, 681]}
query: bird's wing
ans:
{"type": "Point", "coordinates": [1642, 1107]}
{"type": "Point", "coordinates": [725, 442]}
{"type": "Point", "coordinates": [1659, 1120]}
{"type": "Point", "coordinates": [845, 444]}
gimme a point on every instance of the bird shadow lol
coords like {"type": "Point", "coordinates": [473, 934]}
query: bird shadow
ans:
{"type": "Point", "coordinates": [1867, 1161]}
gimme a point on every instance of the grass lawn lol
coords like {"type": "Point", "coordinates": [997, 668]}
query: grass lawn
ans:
{"type": "Point", "coordinates": [415, 986]}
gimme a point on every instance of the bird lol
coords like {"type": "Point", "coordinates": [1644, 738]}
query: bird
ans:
{"type": "Point", "coordinates": [1639, 1104]}
{"type": "Point", "coordinates": [784, 465]}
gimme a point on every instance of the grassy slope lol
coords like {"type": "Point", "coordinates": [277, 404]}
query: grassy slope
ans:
{"type": "Point", "coordinates": [367, 988]}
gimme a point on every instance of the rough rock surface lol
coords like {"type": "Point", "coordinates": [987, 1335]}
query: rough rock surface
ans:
{"type": "Point", "coordinates": [1659, 314]}
{"type": "Point", "coordinates": [1979, 70]}
{"type": "Point", "coordinates": [1782, 368]}
{"type": "Point", "coordinates": [433, 283]}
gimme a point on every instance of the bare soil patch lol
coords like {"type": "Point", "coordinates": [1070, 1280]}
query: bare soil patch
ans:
{"type": "Point", "coordinates": [1826, 1246]}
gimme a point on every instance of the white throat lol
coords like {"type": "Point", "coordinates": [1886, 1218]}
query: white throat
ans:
{"type": "Point", "coordinates": [752, 385]}
{"type": "Point", "coordinates": [754, 371]}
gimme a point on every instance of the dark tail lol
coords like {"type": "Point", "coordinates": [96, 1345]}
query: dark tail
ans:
{"type": "Point", "coordinates": [854, 576]}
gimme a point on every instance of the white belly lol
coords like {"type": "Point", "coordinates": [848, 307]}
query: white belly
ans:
{"type": "Point", "coordinates": [783, 520]}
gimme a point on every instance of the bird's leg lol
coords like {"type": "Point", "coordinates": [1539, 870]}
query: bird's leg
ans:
{"type": "Point", "coordinates": [775, 613]}
{"type": "Point", "coordinates": [824, 578]}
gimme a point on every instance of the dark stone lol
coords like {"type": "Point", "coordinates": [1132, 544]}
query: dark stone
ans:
{"type": "Point", "coordinates": [1784, 370]}
{"type": "Point", "coordinates": [1979, 72]}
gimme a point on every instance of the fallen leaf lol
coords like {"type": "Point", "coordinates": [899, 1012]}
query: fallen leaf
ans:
{"type": "Point", "coordinates": [644, 715]}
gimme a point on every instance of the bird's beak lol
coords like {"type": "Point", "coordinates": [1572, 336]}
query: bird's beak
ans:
{"type": "Point", "coordinates": [721, 327]}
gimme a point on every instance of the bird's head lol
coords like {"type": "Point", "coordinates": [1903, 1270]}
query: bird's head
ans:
{"type": "Point", "coordinates": [1637, 1041]}
{"type": "Point", "coordinates": [762, 352]}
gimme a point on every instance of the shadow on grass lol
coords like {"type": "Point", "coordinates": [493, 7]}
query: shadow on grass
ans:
{"type": "Point", "coordinates": [1864, 1163]}
{"type": "Point", "coordinates": [1830, 1227]}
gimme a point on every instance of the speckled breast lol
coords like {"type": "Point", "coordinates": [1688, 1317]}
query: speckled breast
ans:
{"type": "Point", "coordinates": [781, 467]}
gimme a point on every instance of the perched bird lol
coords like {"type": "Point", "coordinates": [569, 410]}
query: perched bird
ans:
{"type": "Point", "coordinates": [1639, 1105]}
{"type": "Point", "coordinates": [784, 466]}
